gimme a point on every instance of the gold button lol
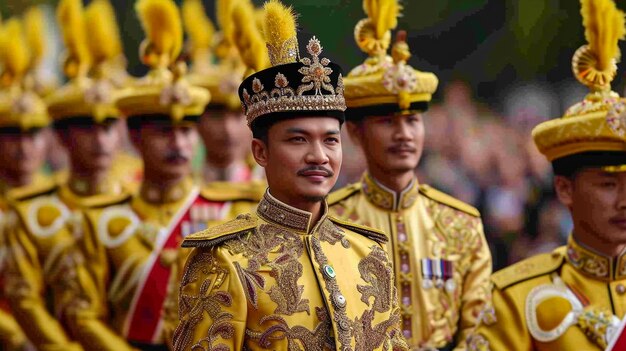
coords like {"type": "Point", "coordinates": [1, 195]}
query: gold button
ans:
{"type": "Point", "coordinates": [621, 289]}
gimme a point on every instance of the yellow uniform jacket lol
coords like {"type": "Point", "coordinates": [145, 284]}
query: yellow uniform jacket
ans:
{"type": "Point", "coordinates": [138, 241]}
{"type": "Point", "coordinates": [275, 280]}
{"type": "Point", "coordinates": [441, 259]}
{"type": "Point", "coordinates": [11, 335]}
{"type": "Point", "coordinates": [40, 252]}
{"type": "Point", "coordinates": [570, 299]}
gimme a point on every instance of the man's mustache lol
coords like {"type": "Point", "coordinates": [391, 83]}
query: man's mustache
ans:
{"type": "Point", "coordinates": [175, 156]}
{"type": "Point", "coordinates": [303, 171]}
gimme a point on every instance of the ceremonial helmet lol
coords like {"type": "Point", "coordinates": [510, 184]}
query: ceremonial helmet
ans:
{"type": "Point", "coordinates": [385, 83]}
{"type": "Point", "coordinates": [592, 132]}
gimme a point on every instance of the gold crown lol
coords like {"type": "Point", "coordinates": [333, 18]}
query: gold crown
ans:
{"type": "Point", "coordinates": [222, 78]}
{"type": "Point", "coordinates": [163, 91]}
{"type": "Point", "coordinates": [20, 106]}
{"type": "Point", "coordinates": [385, 79]}
{"type": "Point", "coordinates": [598, 122]}
{"type": "Point", "coordinates": [85, 96]}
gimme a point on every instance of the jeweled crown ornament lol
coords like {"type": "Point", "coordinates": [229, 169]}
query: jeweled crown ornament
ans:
{"type": "Point", "coordinates": [597, 123]}
{"type": "Point", "coordinates": [292, 86]}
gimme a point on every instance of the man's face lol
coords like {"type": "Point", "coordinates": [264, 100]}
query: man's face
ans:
{"type": "Point", "coordinates": [393, 143]}
{"type": "Point", "coordinates": [92, 147]}
{"type": "Point", "coordinates": [22, 153]}
{"type": "Point", "coordinates": [166, 149]}
{"type": "Point", "coordinates": [597, 201]}
{"type": "Point", "coordinates": [225, 135]}
{"type": "Point", "coordinates": [302, 157]}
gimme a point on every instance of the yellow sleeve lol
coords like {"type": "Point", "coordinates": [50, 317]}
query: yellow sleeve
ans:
{"type": "Point", "coordinates": [34, 268]}
{"type": "Point", "coordinates": [501, 324]}
{"type": "Point", "coordinates": [11, 336]}
{"type": "Point", "coordinates": [212, 303]}
{"type": "Point", "coordinates": [86, 307]}
{"type": "Point", "coordinates": [476, 287]}
{"type": "Point", "coordinates": [398, 342]}
{"type": "Point", "coordinates": [170, 318]}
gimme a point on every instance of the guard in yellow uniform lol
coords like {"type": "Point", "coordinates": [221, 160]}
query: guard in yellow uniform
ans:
{"type": "Point", "coordinates": [35, 237]}
{"type": "Point", "coordinates": [573, 298]}
{"type": "Point", "coordinates": [139, 236]}
{"type": "Point", "coordinates": [290, 276]}
{"type": "Point", "coordinates": [441, 259]}
{"type": "Point", "coordinates": [44, 258]}
{"type": "Point", "coordinates": [222, 125]}
{"type": "Point", "coordinates": [22, 149]}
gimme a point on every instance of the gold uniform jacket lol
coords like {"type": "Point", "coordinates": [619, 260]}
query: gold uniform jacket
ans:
{"type": "Point", "coordinates": [138, 239]}
{"type": "Point", "coordinates": [570, 299]}
{"type": "Point", "coordinates": [441, 259]}
{"type": "Point", "coordinates": [276, 281]}
{"type": "Point", "coordinates": [11, 335]}
{"type": "Point", "coordinates": [41, 263]}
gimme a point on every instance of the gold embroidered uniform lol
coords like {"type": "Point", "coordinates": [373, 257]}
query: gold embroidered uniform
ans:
{"type": "Point", "coordinates": [275, 280]}
{"type": "Point", "coordinates": [572, 298]}
{"type": "Point", "coordinates": [441, 258]}
{"type": "Point", "coordinates": [569, 299]}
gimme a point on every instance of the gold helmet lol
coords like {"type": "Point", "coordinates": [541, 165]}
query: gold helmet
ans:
{"type": "Point", "coordinates": [591, 133]}
{"type": "Point", "coordinates": [20, 105]}
{"type": "Point", "coordinates": [164, 91]}
{"type": "Point", "coordinates": [385, 83]}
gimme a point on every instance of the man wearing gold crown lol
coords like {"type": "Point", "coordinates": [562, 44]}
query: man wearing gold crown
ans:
{"type": "Point", "coordinates": [138, 237]}
{"type": "Point", "coordinates": [441, 259]}
{"type": "Point", "coordinates": [222, 125]}
{"type": "Point", "coordinates": [573, 298]}
{"type": "Point", "coordinates": [289, 276]}
{"type": "Point", "coordinates": [22, 146]}
{"type": "Point", "coordinates": [44, 259]}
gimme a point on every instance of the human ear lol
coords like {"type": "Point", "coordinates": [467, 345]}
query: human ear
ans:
{"type": "Point", "coordinates": [564, 188]}
{"type": "Point", "coordinates": [259, 152]}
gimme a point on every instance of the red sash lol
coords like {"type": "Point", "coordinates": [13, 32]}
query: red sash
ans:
{"type": "Point", "coordinates": [144, 320]}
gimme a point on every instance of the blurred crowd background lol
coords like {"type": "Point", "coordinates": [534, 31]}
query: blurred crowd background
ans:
{"type": "Point", "coordinates": [503, 65]}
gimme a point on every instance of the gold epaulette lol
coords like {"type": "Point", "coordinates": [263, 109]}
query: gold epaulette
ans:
{"type": "Point", "coordinates": [24, 193]}
{"type": "Point", "coordinates": [218, 234]}
{"type": "Point", "coordinates": [105, 200]}
{"type": "Point", "coordinates": [447, 200]}
{"type": "Point", "coordinates": [43, 215]}
{"type": "Point", "coordinates": [234, 191]}
{"type": "Point", "coordinates": [371, 233]}
{"type": "Point", "coordinates": [529, 268]}
{"type": "Point", "coordinates": [343, 193]}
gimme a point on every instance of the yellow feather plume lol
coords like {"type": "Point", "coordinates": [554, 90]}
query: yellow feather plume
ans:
{"type": "Point", "coordinates": [383, 14]}
{"type": "Point", "coordinates": [15, 54]}
{"type": "Point", "coordinates": [104, 35]}
{"type": "Point", "coordinates": [280, 23]}
{"type": "Point", "coordinates": [223, 11]}
{"type": "Point", "coordinates": [247, 38]}
{"type": "Point", "coordinates": [604, 26]}
{"type": "Point", "coordinates": [72, 23]}
{"type": "Point", "coordinates": [197, 24]}
{"type": "Point", "coordinates": [161, 21]}
{"type": "Point", "coordinates": [35, 33]}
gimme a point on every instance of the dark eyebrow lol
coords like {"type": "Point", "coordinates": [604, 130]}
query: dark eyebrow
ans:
{"type": "Point", "coordinates": [333, 132]}
{"type": "Point", "coordinates": [295, 130]}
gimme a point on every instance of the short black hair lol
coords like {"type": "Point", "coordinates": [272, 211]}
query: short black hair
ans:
{"type": "Point", "coordinates": [357, 114]}
{"type": "Point", "coordinates": [568, 166]}
{"type": "Point", "coordinates": [18, 130]}
{"type": "Point", "coordinates": [78, 121]}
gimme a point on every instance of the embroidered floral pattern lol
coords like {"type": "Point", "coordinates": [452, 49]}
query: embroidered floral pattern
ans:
{"type": "Point", "coordinates": [332, 234]}
{"type": "Point", "coordinates": [477, 342]}
{"type": "Point", "coordinates": [299, 338]}
{"type": "Point", "coordinates": [376, 270]}
{"type": "Point", "coordinates": [207, 300]}
{"type": "Point", "coordinates": [316, 72]}
{"type": "Point", "coordinates": [591, 264]}
{"type": "Point", "coordinates": [368, 337]}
